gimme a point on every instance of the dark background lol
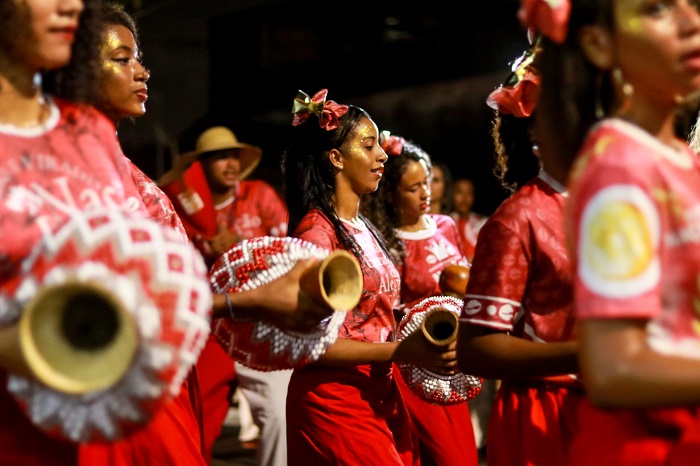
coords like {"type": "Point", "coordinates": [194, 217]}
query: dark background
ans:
{"type": "Point", "coordinates": [422, 71]}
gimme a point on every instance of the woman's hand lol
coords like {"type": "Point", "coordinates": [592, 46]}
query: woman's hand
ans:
{"type": "Point", "coordinates": [281, 302]}
{"type": "Point", "coordinates": [415, 349]}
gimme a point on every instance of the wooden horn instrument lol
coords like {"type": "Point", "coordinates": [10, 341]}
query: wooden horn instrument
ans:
{"type": "Point", "coordinates": [335, 281]}
{"type": "Point", "coordinates": [75, 337]}
{"type": "Point", "coordinates": [439, 326]}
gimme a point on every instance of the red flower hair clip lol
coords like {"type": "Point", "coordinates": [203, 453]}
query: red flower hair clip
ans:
{"type": "Point", "coordinates": [518, 95]}
{"type": "Point", "coordinates": [327, 111]}
{"type": "Point", "coordinates": [392, 145]}
{"type": "Point", "coordinates": [547, 17]}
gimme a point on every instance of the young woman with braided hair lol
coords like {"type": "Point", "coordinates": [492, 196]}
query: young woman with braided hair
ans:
{"type": "Point", "coordinates": [346, 408]}
{"type": "Point", "coordinates": [425, 246]}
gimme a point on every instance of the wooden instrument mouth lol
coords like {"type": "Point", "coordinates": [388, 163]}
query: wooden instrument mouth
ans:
{"type": "Point", "coordinates": [77, 337]}
{"type": "Point", "coordinates": [440, 326]}
{"type": "Point", "coordinates": [336, 281]}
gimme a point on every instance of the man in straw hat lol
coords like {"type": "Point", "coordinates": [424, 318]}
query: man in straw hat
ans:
{"type": "Point", "coordinates": [218, 205]}
{"type": "Point", "coordinates": [220, 208]}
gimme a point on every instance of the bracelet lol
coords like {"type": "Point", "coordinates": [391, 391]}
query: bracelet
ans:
{"type": "Point", "coordinates": [230, 306]}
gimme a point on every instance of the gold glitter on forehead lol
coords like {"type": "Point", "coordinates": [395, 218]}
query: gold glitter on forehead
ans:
{"type": "Point", "coordinates": [366, 129]}
{"type": "Point", "coordinates": [111, 42]}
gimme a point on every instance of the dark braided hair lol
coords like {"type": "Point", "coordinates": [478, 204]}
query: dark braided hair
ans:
{"type": "Point", "coordinates": [309, 176]}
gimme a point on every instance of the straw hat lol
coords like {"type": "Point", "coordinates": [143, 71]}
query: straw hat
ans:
{"type": "Point", "coordinates": [220, 138]}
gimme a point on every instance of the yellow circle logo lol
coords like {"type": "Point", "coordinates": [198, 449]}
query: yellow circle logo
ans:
{"type": "Point", "coordinates": [620, 243]}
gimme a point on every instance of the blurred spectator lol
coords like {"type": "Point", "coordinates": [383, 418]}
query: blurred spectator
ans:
{"type": "Point", "coordinates": [220, 209]}
{"type": "Point", "coordinates": [468, 222]}
{"type": "Point", "coordinates": [441, 189]}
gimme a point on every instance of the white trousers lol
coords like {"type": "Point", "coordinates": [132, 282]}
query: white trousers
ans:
{"type": "Point", "coordinates": [266, 393]}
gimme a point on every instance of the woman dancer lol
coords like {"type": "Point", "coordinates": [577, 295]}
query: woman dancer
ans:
{"type": "Point", "coordinates": [346, 408]}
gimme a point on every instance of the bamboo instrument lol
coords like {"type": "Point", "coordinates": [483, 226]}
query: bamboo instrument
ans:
{"type": "Point", "coordinates": [335, 281]}
{"type": "Point", "coordinates": [75, 338]}
{"type": "Point", "coordinates": [439, 326]}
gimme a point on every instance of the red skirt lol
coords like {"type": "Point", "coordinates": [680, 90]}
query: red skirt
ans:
{"type": "Point", "coordinates": [445, 433]}
{"type": "Point", "coordinates": [348, 416]}
{"type": "Point", "coordinates": [532, 423]}
{"type": "Point", "coordinates": [658, 437]}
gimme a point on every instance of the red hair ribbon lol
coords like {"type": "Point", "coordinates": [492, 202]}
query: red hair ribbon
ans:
{"type": "Point", "coordinates": [547, 17]}
{"type": "Point", "coordinates": [327, 112]}
{"type": "Point", "coordinates": [392, 145]}
{"type": "Point", "coordinates": [518, 95]}
{"type": "Point", "coordinates": [518, 100]}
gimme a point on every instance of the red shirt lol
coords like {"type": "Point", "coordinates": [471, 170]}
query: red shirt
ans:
{"type": "Point", "coordinates": [469, 228]}
{"type": "Point", "coordinates": [159, 206]}
{"type": "Point", "coordinates": [254, 210]}
{"type": "Point", "coordinates": [73, 162]}
{"type": "Point", "coordinates": [428, 252]}
{"type": "Point", "coordinates": [520, 280]}
{"type": "Point", "coordinates": [373, 318]}
{"type": "Point", "coordinates": [635, 222]}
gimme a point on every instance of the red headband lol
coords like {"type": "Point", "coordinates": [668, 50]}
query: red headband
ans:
{"type": "Point", "coordinates": [327, 112]}
{"type": "Point", "coordinates": [547, 17]}
{"type": "Point", "coordinates": [392, 145]}
{"type": "Point", "coordinates": [518, 95]}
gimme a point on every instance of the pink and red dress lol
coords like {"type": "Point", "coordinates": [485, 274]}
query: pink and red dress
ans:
{"type": "Point", "coordinates": [175, 434]}
{"type": "Point", "coordinates": [352, 415]}
{"type": "Point", "coordinates": [520, 283]}
{"type": "Point", "coordinates": [445, 432]}
{"type": "Point", "coordinates": [72, 163]}
{"type": "Point", "coordinates": [635, 223]}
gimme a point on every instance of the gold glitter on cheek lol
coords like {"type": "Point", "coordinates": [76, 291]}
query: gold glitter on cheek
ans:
{"type": "Point", "coordinates": [110, 67]}
{"type": "Point", "coordinates": [110, 43]}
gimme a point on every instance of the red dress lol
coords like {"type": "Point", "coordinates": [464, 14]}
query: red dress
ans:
{"type": "Point", "coordinates": [445, 432]}
{"type": "Point", "coordinates": [72, 162]}
{"type": "Point", "coordinates": [634, 220]}
{"type": "Point", "coordinates": [520, 283]}
{"type": "Point", "coordinates": [352, 415]}
{"type": "Point", "coordinates": [174, 436]}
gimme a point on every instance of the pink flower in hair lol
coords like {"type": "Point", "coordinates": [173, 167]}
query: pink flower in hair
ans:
{"type": "Point", "coordinates": [327, 112]}
{"type": "Point", "coordinates": [392, 145]}
{"type": "Point", "coordinates": [518, 100]}
{"type": "Point", "coordinates": [547, 17]}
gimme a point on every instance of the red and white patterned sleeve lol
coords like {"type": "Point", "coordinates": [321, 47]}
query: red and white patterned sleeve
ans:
{"type": "Point", "coordinates": [498, 277]}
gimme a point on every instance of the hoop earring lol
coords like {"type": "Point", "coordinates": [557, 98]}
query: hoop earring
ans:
{"type": "Point", "coordinates": [626, 88]}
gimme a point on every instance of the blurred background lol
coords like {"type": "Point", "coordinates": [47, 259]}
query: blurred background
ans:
{"type": "Point", "coordinates": [421, 70]}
